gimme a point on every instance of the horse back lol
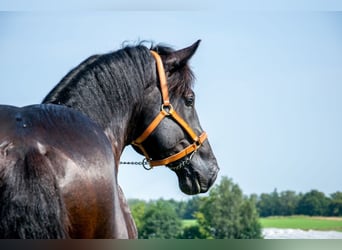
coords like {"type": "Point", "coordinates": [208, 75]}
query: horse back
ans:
{"type": "Point", "coordinates": [60, 160]}
{"type": "Point", "coordinates": [55, 127]}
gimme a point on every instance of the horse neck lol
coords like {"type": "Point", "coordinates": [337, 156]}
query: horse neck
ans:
{"type": "Point", "coordinates": [109, 91]}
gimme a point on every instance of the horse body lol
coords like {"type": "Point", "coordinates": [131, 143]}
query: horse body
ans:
{"type": "Point", "coordinates": [72, 144]}
{"type": "Point", "coordinates": [56, 169]}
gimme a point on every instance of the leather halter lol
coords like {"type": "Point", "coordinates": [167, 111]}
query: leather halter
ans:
{"type": "Point", "coordinates": [168, 111]}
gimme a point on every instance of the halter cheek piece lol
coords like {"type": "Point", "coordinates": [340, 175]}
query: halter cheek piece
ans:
{"type": "Point", "coordinates": [168, 111]}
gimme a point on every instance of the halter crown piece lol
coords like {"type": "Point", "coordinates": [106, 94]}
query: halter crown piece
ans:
{"type": "Point", "coordinates": [168, 111]}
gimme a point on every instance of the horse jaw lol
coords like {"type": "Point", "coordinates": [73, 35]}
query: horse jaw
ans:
{"type": "Point", "coordinates": [193, 182]}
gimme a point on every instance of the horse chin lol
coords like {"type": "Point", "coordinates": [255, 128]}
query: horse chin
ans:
{"type": "Point", "coordinates": [190, 181]}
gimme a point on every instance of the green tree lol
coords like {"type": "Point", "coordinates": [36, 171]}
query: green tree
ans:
{"type": "Point", "coordinates": [288, 202]}
{"type": "Point", "coordinates": [138, 208]}
{"type": "Point", "coordinates": [193, 232]}
{"type": "Point", "coordinates": [269, 204]}
{"type": "Point", "coordinates": [160, 221]}
{"type": "Point", "coordinates": [227, 214]}
{"type": "Point", "coordinates": [179, 206]}
{"type": "Point", "coordinates": [335, 206]}
{"type": "Point", "coordinates": [191, 207]}
{"type": "Point", "coordinates": [313, 203]}
{"type": "Point", "coordinates": [265, 205]}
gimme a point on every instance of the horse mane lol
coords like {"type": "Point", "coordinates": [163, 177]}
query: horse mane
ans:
{"type": "Point", "coordinates": [107, 84]}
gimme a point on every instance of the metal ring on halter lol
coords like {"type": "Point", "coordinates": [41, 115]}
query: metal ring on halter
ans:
{"type": "Point", "coordinates": [145, 163]}
{"type": "Point", "coordinates": [167, 108]}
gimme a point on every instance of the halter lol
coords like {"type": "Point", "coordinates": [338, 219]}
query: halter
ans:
{"type": "Point", "coordinates": [168, 111]}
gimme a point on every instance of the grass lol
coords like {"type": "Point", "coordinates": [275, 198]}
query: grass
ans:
{"type": "Point", "coordinates": [295, 222]}
{"type": "Point", "coordinates": [188, 223]}
{"type": "Point", "coordinates": [303, 222]}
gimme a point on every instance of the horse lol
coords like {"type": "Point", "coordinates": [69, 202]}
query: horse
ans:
{"type": "Point", "coordinates": [59, 160]}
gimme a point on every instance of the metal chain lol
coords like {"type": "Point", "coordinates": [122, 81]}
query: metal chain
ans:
{"type": "Point", "coordinates": [131, 163]}
{"type": "Point", "coordinates": [144, 163]}
{"type": "Point", "coordinates": [183, 163]}
{"type": "Point", "coordinates": [146, 166]}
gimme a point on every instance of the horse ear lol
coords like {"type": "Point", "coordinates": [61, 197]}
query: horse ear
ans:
{"type": "Point", "coordinates": [180, 57]}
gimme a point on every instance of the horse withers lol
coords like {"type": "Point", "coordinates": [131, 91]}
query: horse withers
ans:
{"type": "Point", "coordinates": [59, 160]}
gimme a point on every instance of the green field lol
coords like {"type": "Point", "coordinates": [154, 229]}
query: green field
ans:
{"type": "Point", "coordinates": [295, 222]}
{"type": "Point", "coordinates": [303, 222]}
{"type": "Point", "coordinates": [188, 223]}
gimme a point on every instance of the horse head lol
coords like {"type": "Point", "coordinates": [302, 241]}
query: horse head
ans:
{"type": "Point", "coordinates": [172, 134]}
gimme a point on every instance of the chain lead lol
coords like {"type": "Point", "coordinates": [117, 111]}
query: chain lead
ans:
{"type": "Point", "coordinates": [147, 166]}
{"type": "Point", "coordinates": [144, 163]}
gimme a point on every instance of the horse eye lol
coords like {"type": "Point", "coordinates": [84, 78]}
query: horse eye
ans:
{"type": "Point", "coordinates": [189, 101]}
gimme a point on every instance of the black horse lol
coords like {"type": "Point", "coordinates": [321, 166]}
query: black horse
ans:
{"type": "Point", "coordinates": [59, 160]}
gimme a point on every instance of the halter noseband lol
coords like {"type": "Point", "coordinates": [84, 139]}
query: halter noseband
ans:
{"type": "Point", "coordinates": [168, 111]}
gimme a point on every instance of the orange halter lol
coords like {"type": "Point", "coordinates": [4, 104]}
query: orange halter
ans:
{"type": "Point", "coordinates": [167, 111]}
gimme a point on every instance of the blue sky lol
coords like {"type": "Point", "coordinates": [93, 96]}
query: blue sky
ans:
{"type": "Point", "coordinates": [269, 84]}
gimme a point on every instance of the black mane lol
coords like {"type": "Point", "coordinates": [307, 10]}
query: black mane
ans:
{"type": "Point", "coordinates": [102, 83]}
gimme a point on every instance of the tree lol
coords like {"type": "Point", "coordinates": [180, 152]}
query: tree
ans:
{"type": "Point", "coordinates": [313, 203]}
{"type": "Point", "coordinates": [273, 204]}
{"type": "Point", "coordinates": [160, 221]}
{"type": "Point", "coordinates": [192, 206]}
{"type": "Point", "coordinates": [251, 228]}
{"type": "Point", "coordinates": [335, 206]}
{"type": "Point", "coordinates": [193, 232]}
{"type": "Point", "coordinates": [138, 208]}
{"type": "Point", "coordinates": [227, 214]}
{"type": "Point", "coordinates": [179, 206]}
{"type": "Point", "coordinates": [265, 205]}
{"type": "Point", "coordinates": [288, 202]}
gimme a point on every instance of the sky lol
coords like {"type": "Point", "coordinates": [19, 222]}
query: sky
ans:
{"type": "Point", "coordinates": [268, 81]}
